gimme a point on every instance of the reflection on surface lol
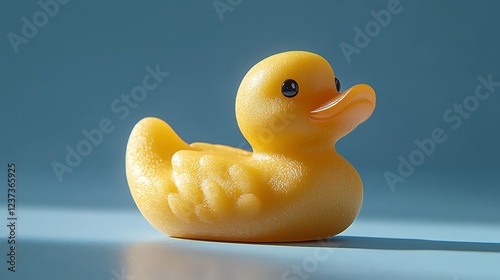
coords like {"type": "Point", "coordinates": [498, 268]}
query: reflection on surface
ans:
{"type": "Point", "coordinates": [341, 257]}
{"type": "Point", "coordinates": [161, 261]}
{"type": "Point", "coordinates": [176, 260]}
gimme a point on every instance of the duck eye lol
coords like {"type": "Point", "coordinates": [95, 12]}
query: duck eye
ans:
{"type": "Point", "coordinates": [290, 88]}
{"type": "Point", "coordinates": [337, 84]}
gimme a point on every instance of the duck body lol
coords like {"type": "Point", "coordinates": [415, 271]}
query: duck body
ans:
{"type": "Point", "coordinates": [294, 186]}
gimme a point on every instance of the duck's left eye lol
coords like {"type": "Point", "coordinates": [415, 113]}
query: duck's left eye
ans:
{"type": "Point", "coordinates": [337, 84]}
{"type": "Point", "coordinates": [290, 88]}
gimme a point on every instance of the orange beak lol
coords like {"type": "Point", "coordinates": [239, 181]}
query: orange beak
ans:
{"type": "Point", "coordinates": [351, 107]}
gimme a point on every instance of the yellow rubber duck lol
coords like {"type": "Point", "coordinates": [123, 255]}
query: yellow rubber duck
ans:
{"type": "Point", "coordinates": [294, 186]}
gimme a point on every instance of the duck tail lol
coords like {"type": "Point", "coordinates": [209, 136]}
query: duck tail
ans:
{"type": "Point", "coordinates": [153, 139]}
{"type": "Point", "coordinates": [152, 143]}
{"type": "Point", "coordinates": [150, 148]}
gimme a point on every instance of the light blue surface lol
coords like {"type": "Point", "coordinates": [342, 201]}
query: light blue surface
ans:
{"type": "Point", "coordinates": [440, 223]}
{"type": "Point", "coordinates": [121, 245]}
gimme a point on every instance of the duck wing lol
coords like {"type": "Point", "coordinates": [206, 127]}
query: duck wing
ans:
{"type": "Point", "coordinates": [214, 182]}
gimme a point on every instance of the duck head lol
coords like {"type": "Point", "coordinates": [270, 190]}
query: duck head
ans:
{"type": "Point", "coordinates": [292, 101]}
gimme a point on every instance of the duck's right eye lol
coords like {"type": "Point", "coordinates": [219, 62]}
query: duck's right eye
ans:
{"type": "Point", "coordinates": [290, 88]}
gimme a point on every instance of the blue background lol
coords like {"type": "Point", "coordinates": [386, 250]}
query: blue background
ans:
{"type": "Point", "coordinates": [442, 222]}
{"type": "Point", "coordinates": [91, 52]}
